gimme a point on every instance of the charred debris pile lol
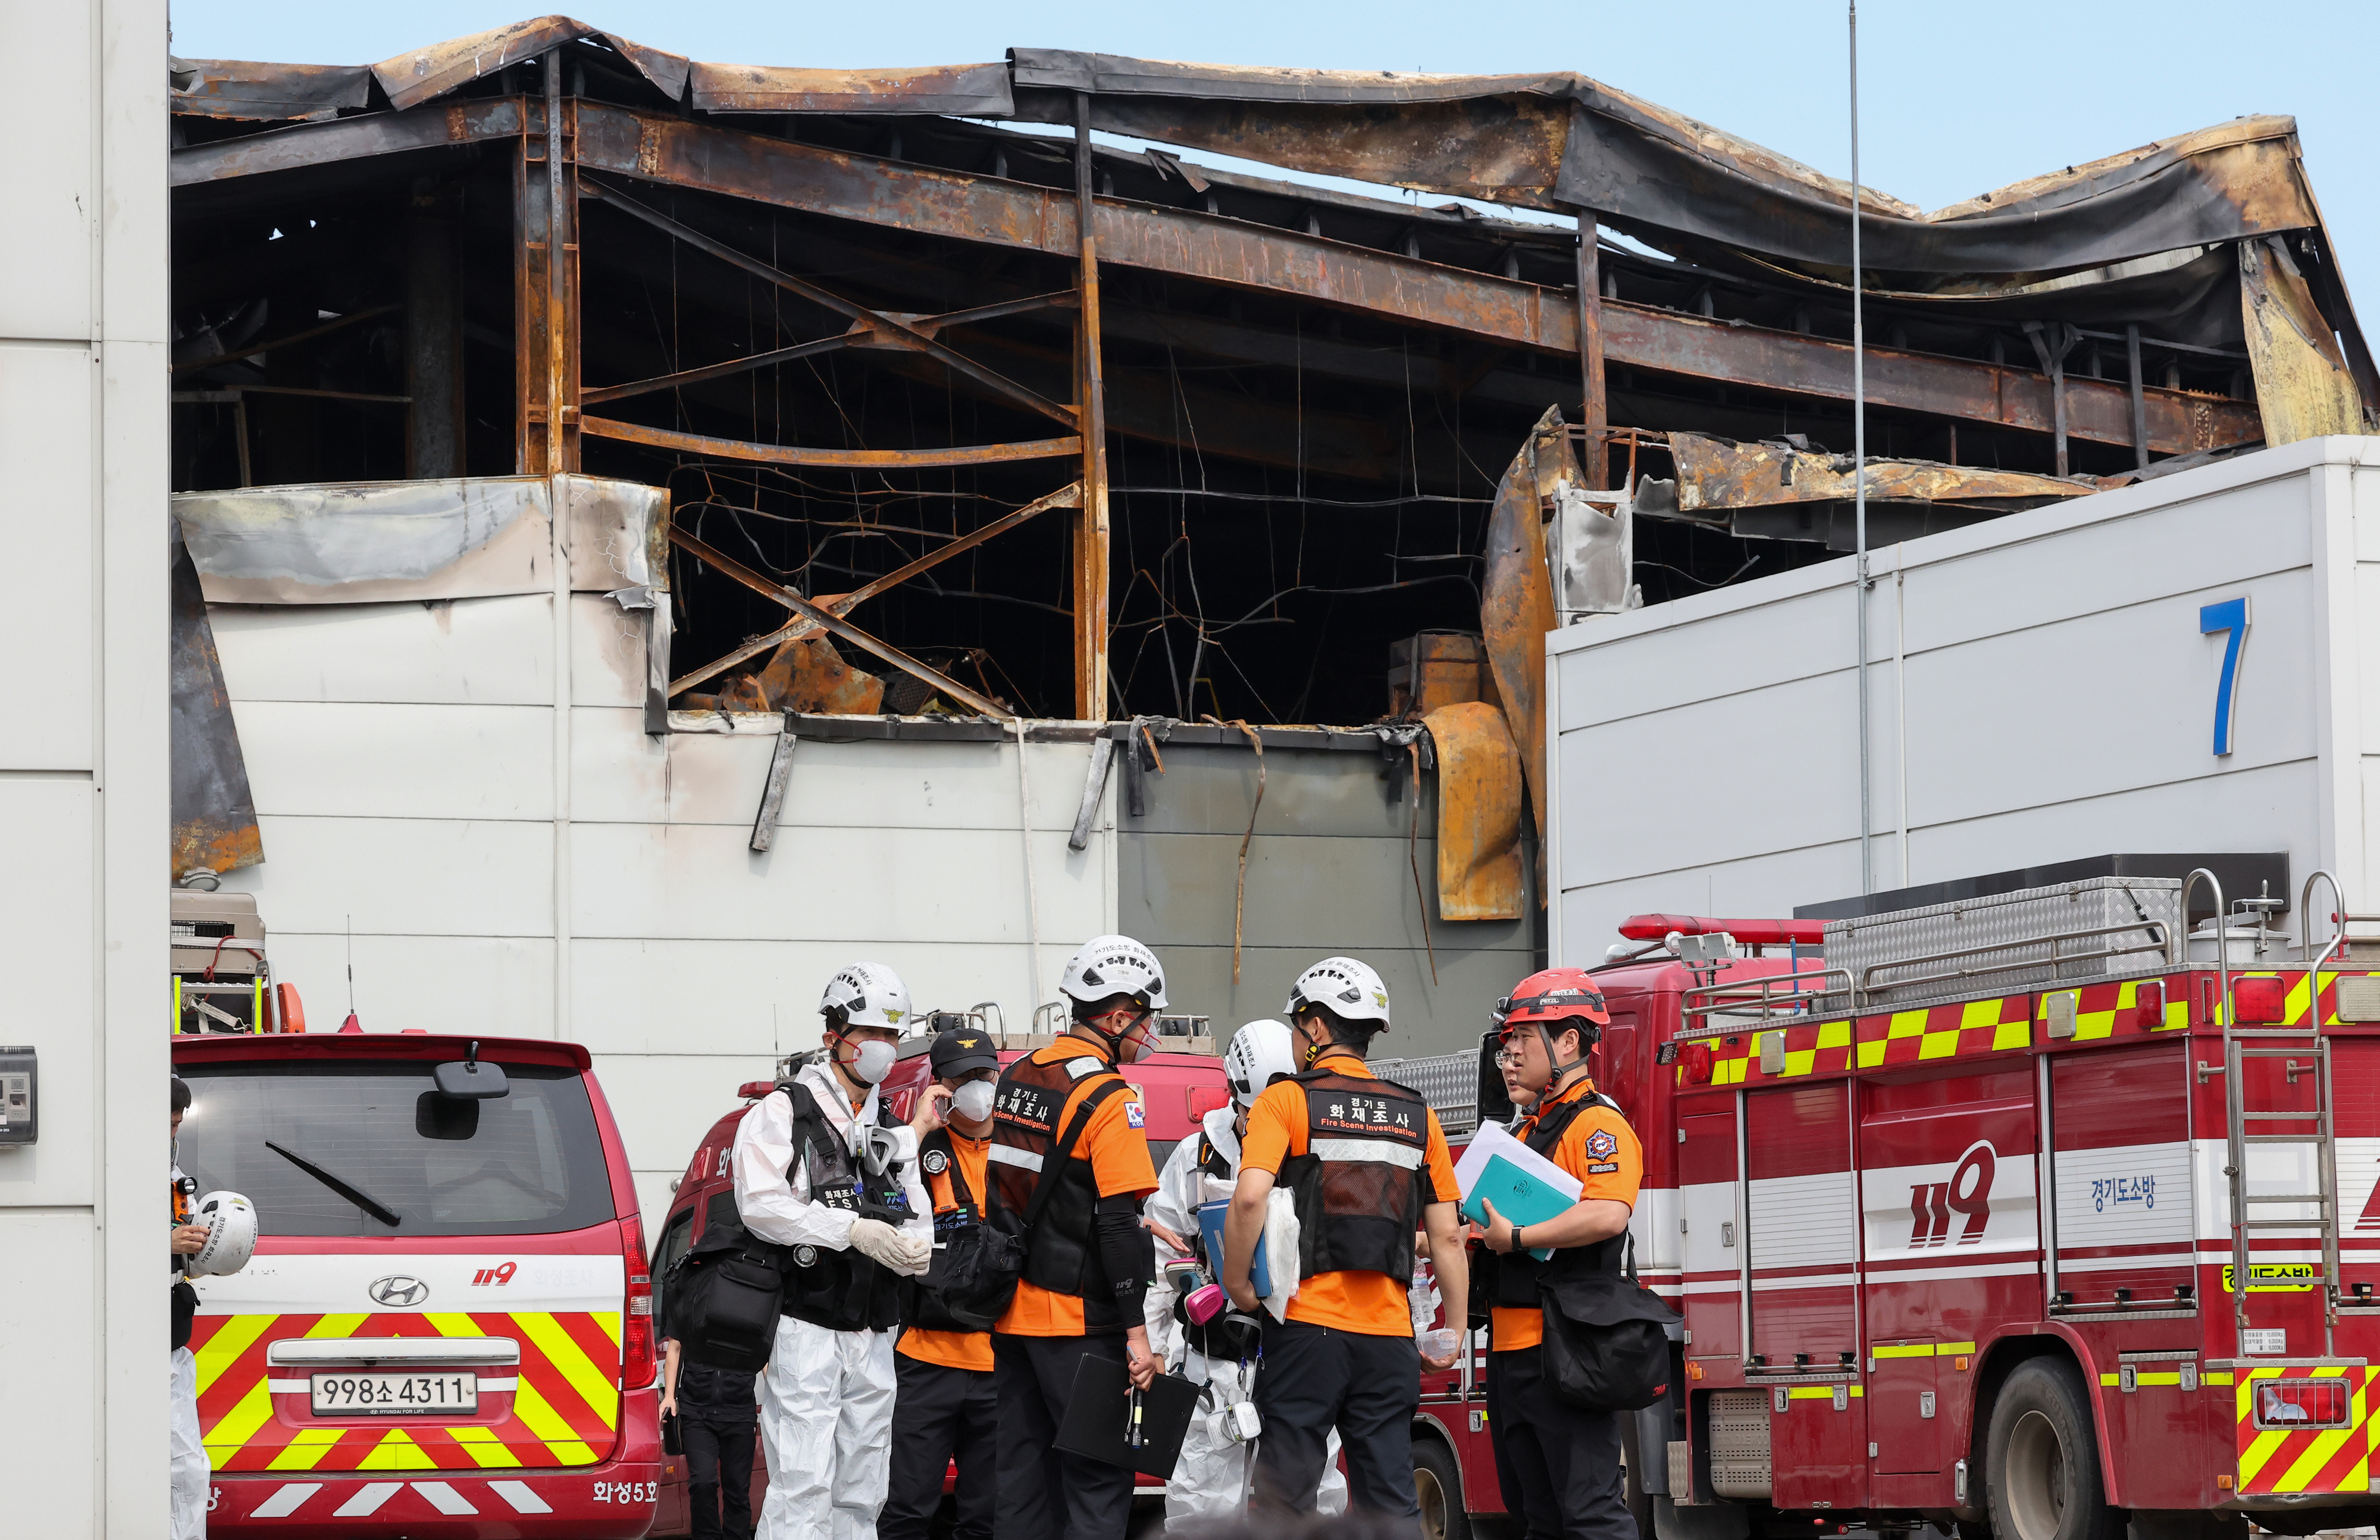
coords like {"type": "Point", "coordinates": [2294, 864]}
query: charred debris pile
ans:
{"type": "Point", "coordinates": [1216, 452]}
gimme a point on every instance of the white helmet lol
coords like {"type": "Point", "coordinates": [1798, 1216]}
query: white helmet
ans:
{"type": "Point", "coordinates": [1348, 989]}
{"type": "Point", "coordinates": [1259, 1051]}
{"type": "Point", "coordinates": [868, 994]}
{"type": "Point", "coordinates": [230, 1219]}
{"type": "Point", "coordinates": [1106, 966]}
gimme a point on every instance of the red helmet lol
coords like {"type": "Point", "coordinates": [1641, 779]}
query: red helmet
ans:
{"type": "Point", "coordinates": [1553, 1001]}
{"type": "Point", "coordinates": [1554, 995]}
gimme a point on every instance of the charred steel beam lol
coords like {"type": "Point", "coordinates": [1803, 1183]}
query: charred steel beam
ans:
{"type": "Point", "coordinates": [894, 330]}
{"type": "Point", "coordinates": [848, 459]}
{"type": "Point", "coordinates": [1191, 244]}
{"type": "Point", "coordinates": [713, 372]}
{"type": "Point", "coordinates": [1068, 496]}
{"type": "Point", "coordinates": [1595, 415]}
{"type": "Point", "coordinates": [834, 624]}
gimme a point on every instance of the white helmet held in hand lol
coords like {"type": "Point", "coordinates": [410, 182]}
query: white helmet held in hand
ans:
{"type": "Point", "coordinates": [1259, 1051]}
{"type": "Point", "coordinates": [1348, 989]}
{"type": "Point", "coordinates": [1107, 966]}
{"type": "Point", "coordinates": [230, 1219]}
{"type": "Point", "coordinates": [867, 994]}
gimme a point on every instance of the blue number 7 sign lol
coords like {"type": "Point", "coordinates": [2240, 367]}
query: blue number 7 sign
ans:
{"type": "Point", "coordinates": [2230, 615]}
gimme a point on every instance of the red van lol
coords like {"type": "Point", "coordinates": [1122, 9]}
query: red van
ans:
{"type": "Point", "coordinates": [1176, 1089]}
{"type": "Point", "coordinates": [446, 1331]}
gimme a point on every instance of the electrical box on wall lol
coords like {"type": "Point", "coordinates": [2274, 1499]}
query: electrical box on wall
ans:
{"type": "Point", "coordinates": [19, 1097]}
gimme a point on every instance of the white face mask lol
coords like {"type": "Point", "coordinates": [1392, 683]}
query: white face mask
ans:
{"type": "Point", "coordinates": [874, 1063]}
{"type": "Point", "coordinates": [973, 1100]}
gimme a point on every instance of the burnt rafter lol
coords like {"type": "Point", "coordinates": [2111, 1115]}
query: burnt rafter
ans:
{"type": "Point", "coordinates": [887, 329]}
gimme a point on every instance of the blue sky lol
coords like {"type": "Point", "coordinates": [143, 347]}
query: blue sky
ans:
{"type": "Point", "coordinates": [1955, 100]}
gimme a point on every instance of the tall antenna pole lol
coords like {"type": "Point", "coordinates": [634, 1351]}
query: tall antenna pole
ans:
{"type": "Point", "coordinates": [1859, 461]}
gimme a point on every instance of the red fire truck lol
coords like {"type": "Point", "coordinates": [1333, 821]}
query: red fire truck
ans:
{"type": "Point", "coordinates": [2027, 1215]}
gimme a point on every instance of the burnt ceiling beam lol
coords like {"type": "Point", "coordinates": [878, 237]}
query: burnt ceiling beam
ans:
{"type": "Point", "coordinates": [1189, 243]}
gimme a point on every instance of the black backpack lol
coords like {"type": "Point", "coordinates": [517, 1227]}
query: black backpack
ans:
{"type": "Point", "coordinates": [974, 1272]}
{"type": "Point", "coordinates": [724, 1298]}
{"type": "Point", "coordinates": [1607, 1344]}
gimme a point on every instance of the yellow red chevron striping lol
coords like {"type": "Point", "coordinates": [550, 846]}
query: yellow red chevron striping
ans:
{"type": "Point", "coordinates": [2329, 1460]}
{"type": "Point", "coordinates": [563, 1410]}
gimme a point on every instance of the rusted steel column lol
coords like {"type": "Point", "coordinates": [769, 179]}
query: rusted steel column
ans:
{"type": "Point", "coordinates": [1595, 412]}
{"type": "Point", "coordinates": [562, 277]}
{"type": "Point", "coordinates": [532, 371]}
{"type": "Point", "coordinates": [2140, 404]}
{"type": "Point", "coordinates": [1090, 395]}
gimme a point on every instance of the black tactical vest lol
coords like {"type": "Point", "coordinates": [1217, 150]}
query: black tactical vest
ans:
{"type": "Point", "coordinates": [922, 1304]}
{"type": "Point", "coordinates": [842, 1291]}
{"type": "Point", "coordinates": [1361, 1186]}
{"type": "Point", "coordinates": [1061, 1251]}
{"type": "Point", "coordinates": [1517, 1273]}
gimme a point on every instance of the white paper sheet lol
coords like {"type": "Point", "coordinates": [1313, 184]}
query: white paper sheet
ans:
{"type": "Point", "coordinates": [1491, 1140]}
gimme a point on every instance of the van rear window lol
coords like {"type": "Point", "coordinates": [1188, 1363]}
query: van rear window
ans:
{"type": "Point", "coordinates": [331, 1148]}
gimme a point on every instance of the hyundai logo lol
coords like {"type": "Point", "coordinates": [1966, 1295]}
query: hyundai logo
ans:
{"type": "Point", "coordinates": [399, 1290]}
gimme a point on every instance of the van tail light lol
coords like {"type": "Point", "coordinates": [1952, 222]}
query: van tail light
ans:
{"type": "Point", "coordinates": [637, 1348]}
{"type": "Point", "coordinates": [1199, 1100]}
{"type": "Point", "coordinates": [2260, 1000]}
{"type": "Point", "coordinates": [2150, 1000]}
{"type": "Point", "coordinates": [1697, 1060]}
{"type": "Point", "coordinates": [2300, 1403]}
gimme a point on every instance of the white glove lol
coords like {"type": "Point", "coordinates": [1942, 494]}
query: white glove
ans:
{"type": "Point", "coordinates": [904, 1254]}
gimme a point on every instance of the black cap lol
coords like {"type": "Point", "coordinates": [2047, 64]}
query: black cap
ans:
{"type": "Point", "coordinates": [964, 1051]}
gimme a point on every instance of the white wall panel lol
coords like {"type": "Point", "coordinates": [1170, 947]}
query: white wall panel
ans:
{"type": "Point", "coordinates": [499, 986]}
{"type": "Point", "coordinates": [325, 758]}
{"type": "Point", "coordinates": [2060, 693]}
{"type": "Point", "coordinates": [846, 884]}
{"type": "Point", "coordinates": [472, 651]}
{"type": "Point", "coordinates": [46, 1422]}
{"type": "Point", "coordinates": [404, 877]}
{"type": "Point", "coordinates": [45, 489]}
{"type": "Point", "coordinates": [607, 652]}
{"type": "Point", "coordinates": [53, 206]}
{"type": "Point", "coordinates": [49, 819]}
{"type": "Point", "coordinates": [701, 996]}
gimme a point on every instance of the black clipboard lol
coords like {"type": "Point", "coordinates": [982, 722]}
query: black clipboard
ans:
{"type": "Point", "coordinates": [1098, 1424]}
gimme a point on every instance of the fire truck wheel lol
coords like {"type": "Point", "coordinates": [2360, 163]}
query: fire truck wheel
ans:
{"type": "Point", "coordinates": [2042, 1460]}
{"type": "Point", "coordinates": [1437, 1481]}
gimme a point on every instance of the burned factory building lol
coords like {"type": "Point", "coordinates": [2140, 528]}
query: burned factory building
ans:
{"type": "Point", "coordinates": [585, 426]}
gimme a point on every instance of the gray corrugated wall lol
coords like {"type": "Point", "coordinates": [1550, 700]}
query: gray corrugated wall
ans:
{"type": "Point", "coordinates": [1327, 872]}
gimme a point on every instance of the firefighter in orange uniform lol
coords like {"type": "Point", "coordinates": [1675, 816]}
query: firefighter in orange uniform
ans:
{"type": "Point", "coordinates": [1365, 1164]}
{"type": "Point", "coordinates": [1558, 1465]}
{"type": "Point", "coordinates": [1063, 1119]}
{"type": "Point", "coordinates": [945, 1405]}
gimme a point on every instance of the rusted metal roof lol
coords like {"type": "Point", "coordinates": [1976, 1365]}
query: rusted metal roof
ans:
{"type": "Point", "coordinates": [960, 89]}
{"type": "Point", "coordinates": [418, 76]}
{"type": "Point", "coordinates": [268, 92]}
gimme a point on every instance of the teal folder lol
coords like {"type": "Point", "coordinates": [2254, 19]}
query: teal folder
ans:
{"type": "Point", "coordinates": [1520, 1197]}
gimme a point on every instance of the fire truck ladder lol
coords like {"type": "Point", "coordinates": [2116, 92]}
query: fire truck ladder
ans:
{"type": "Point", "coordinates": [2287, 1044]}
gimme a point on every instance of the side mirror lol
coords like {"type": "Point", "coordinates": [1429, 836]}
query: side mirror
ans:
{"type": "Point", "coordinates": [469, 1079]}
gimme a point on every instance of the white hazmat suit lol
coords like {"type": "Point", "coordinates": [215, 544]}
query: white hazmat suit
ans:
{"type": "Point", "coordinates": [1211, 1479]}
{"type": "Point", "coordinates": [825, 1397]}
{"type": "Point", "coordinates": [189, 1475]}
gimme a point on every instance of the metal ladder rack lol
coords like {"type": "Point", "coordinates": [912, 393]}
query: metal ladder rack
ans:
{"type": "Point", "coordinates": [2284, 1043]}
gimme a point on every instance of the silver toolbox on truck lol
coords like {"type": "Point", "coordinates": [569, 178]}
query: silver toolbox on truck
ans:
{"type": "Point", "coordinates": [2069, 933]}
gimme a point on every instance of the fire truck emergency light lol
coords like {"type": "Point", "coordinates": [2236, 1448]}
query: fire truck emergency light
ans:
{"type": "Point", "coordinates": [2259, 1001]}
{"type": "Point", "coordinates": [1773, 933]}
{"type": "Point", "coordinates": [2296, 1403]}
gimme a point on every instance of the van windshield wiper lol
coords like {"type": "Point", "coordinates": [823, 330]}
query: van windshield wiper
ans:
{"type": "Point", "coordinates": [346, 1190]}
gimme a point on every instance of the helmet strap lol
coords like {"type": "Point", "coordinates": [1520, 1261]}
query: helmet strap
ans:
{"type": "Point", "coordinates": [1561, 1072]}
